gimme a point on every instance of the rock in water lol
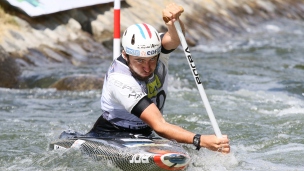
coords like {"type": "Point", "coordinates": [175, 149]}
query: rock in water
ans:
{"type": "Point", "coordinates": [9, 70]}
{"type": "Point", "coordinates": [79, 83]}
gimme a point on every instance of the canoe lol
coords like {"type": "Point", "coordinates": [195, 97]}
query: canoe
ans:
{"type": "Point", "coordinates": [132, 152]}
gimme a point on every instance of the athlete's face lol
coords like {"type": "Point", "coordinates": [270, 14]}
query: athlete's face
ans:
{"type": "Point", "coordinates": [142, 67]}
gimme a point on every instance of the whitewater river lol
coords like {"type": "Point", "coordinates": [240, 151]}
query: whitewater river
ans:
{"type": "Point", "coordinates": [254, 83]}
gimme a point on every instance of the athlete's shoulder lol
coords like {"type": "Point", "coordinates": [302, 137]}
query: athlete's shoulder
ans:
{"type": "Point", "coordinates": [119, 66]}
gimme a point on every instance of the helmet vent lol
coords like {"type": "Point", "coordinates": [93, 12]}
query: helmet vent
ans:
{"type": "Point", "coordinates": [157, 36]}
{"type": "Point", "coordinates": [133, 39]}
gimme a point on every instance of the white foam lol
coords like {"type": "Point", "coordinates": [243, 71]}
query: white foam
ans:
{"type": "Point", "coordinates": [273, 28]}
{"type": "Point", "coordinates": [176, 84]}
{"type": "Point", "coordinates": [280, 102]}
{"type": "Point", "coordinates": [213, 161]}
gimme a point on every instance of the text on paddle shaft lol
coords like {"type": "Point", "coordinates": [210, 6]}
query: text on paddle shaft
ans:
{"type": "Point", "coordinates": [192, 65]}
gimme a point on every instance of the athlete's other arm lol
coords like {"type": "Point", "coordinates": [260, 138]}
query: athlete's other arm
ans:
{"type": "Point", "coordinates": [153, 117]}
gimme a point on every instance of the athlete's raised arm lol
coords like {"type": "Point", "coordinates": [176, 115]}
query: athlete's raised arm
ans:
{"type": "Point", "coordinates": [170, 14]}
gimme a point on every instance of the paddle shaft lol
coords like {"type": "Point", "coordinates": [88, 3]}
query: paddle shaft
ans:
{"type": "Point", "coordinates": [197, 79]}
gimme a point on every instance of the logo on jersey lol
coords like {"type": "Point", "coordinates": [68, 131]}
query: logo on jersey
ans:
{"type": "Point", "coordinates": [153, 87]}
{"type": "Point", "coordinates": [136, 95]}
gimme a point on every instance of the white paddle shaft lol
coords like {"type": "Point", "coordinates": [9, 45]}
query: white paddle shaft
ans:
{"type": "Point", "coordinates": [197, 79]}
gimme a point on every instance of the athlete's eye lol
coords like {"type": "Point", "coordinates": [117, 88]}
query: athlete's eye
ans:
{"type": "Point", "coordinates": [153, 59]}
{"type": "Point", "coordinates": [140, 60]}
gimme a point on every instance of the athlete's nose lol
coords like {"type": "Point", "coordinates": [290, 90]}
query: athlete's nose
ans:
{"type": "Point", "coordinates": [146, 66]}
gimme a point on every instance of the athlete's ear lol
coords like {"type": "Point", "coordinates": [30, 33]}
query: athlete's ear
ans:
{"type": "Point", "coordinates": [124, 55]}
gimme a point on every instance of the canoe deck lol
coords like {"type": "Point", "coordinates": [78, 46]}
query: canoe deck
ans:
{"type": "Point", "coordinates": [130, 153]}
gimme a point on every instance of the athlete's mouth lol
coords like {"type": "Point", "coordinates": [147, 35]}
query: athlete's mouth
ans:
{"type": "Point", "coordinates": [146, 73]}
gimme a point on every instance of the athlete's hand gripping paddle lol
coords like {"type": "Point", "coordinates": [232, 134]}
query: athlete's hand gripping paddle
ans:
{"type": "Point", "coordinates": [196, 78]}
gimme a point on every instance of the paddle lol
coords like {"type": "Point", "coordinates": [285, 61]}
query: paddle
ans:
{"type": "Point", "coordinates": [197, 79]}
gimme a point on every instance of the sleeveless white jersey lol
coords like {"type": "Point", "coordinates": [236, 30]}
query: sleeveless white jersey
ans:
{"type": "Point", "coordinates": [121, 92]}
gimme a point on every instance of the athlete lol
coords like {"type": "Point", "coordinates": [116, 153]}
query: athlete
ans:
{"type": "Point", "coordinates": [135, 87]}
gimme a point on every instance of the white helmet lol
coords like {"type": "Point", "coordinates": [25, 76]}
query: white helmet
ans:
{"type": "Point", "coordinates": [141, 40]}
